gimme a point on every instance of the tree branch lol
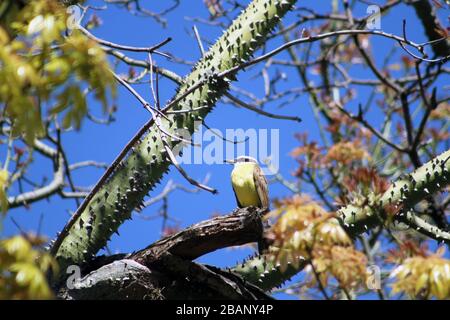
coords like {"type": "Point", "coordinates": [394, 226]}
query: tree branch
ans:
{"type": "Point", "coordinates": [163, 270]}
{"type": "Point", "coordinates": [240, 227]}
{"type": "Point", "coordinates": [433, 28]}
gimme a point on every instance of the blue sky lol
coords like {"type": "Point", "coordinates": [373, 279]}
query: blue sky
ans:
{"type": "Point", "coordinates": [102, 143]}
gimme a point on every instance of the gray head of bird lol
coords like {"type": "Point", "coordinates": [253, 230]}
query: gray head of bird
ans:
{"type": "Point", "coordinates": [241, 159]}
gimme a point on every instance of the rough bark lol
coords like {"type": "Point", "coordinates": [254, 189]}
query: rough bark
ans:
{"type": "Point", "coordinates": [241, 227]}
{"type": "Point", "coordinates": [165, 270]}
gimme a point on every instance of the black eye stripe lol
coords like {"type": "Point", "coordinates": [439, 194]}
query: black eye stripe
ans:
{"type": "Point", "coordinates": [246, 159]}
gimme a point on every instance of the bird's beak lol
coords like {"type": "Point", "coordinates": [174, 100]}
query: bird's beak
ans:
{"type": "Point", "coordinates": [230, 161]}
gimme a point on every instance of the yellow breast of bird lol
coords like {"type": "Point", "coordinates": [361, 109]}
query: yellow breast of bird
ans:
{"type": "Point", "coordinates": [244, 185]}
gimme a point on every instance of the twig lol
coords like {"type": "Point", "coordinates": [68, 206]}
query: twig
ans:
{"type": "Point", "coordinates": [88, 163]}
{"type": "Point", "coordinates": [361, 120]}
{"type": "Point", "coordinates": [144, 64]}
{"type": "Point", "coordinates": [424, 227]}
{"type": "Point", "coordinates": [260, 111]}
{"type": "Point", "coordinates": [199, 40]}
{"type": "Point", "coordinates": [174, 161]}
{"type": "Point", "coordinates": [127, 48]}
{"type": "Point", "coordinates": [428, 107]}
{"type": "Point", "coordinates": [218, 134]}
{"type": "Point", "coordinates": [144, 103]}
{"type": "Point", "coordinates": [420, 48]}
{"type": "Point", "coordinates": [61, 152]}
{"type": "Point", "coordinates": [41, 193]}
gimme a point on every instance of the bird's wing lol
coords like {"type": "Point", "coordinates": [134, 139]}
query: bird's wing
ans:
{"type": "Point", "coordinates": [261, 187]}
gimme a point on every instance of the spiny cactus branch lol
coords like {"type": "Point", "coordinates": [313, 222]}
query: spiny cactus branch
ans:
{"type": "Point", "coordinates": [401, 196]}
{"type": "Point", "coordinates": [404, 193]}
{"type": "Point", "coordinates": [148, 160]}
{"type": "Point", "coordinates": [424, 227]}
{"type": "Point", "coordinates": [237, 64]}
{"type": "Point", "coordinates": [262, 271]}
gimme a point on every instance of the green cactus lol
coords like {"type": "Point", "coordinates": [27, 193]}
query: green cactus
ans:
{"type": "Point", "coordinates": [146, 164]}
{"type": "Point", "coordinates": [405, 192]}
{"type": "Point", "coordinates": [265, 273]}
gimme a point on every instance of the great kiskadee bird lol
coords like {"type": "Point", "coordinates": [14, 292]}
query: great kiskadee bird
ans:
{"type": "Point", "coordinates": [249, 183]}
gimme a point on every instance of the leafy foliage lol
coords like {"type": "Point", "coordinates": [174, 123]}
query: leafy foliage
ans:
{"type": "Point", "coordinates": [303, 230]}
{"type": "Point", "coordinates": [355, 170]}
{"type": "Point", "coordinates": [41, 65]}
{"type": "Point", "coordinates": [3, 186]}
{"type": "Point", "coordinates": [23, 269]}
{"type": "Point", "coordinates": [422, 275]}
